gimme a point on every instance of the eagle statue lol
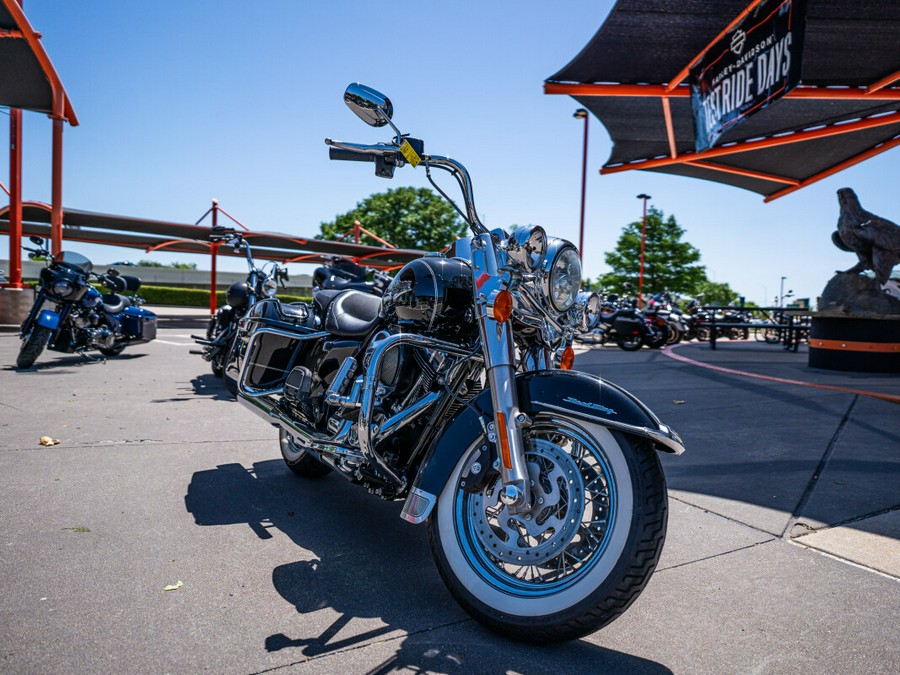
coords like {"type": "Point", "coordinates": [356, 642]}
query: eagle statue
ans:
{"type": "Point", "coordinates": [875, 240]}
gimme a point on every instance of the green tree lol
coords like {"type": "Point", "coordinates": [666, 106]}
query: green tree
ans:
{"type": "Point", "coordinates": [406, 217]}
{"type": "Point", "coordinates": [669, 263]}
{"type": "Point", "coordinates": [713, 293]}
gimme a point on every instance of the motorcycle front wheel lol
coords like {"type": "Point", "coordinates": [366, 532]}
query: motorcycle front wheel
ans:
{"type": "Point", "coordinates": [230, 367]}
{"type": "Point", "coordinates": [675, 335]}
{"type": "Point", "coordinates": [32, 347]}
{"type": "Point", "coordinates": [578, 558]}
{"type": "Point", "coordinates": [215, 362]}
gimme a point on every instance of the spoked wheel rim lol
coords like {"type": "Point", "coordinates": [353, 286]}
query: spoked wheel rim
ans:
{"type": "Point", "coordinates": [566, 532]}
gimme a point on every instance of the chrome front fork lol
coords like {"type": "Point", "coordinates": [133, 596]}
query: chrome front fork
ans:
{"type": "Point", "coordinates": [499, 358]}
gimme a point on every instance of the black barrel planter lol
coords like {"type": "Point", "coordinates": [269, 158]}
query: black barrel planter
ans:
{"type": "Point", "coordinates": [855, 344]}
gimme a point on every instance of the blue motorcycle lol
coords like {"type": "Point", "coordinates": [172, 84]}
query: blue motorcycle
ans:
{"type": "Point", "coordinates": [69, 315]}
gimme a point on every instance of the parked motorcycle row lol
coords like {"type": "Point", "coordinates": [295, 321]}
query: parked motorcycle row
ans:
{"type": "Point", "coordinates": [450, 387]}
{"type": "Point", "coordinates": [661, 323]}
{"type": "Point", "coordinates": [219, 343]}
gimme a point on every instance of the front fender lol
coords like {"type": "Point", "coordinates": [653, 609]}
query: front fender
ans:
{"type": "Point", "coordinates": [579, 395]}
{"type": "Point", "coordinates": [48, 319]}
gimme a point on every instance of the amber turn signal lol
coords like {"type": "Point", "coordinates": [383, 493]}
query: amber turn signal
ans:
{"type": "Point", "coordinates": [503, 306]}
{"type": "Point", "coordinates": [568, 358]}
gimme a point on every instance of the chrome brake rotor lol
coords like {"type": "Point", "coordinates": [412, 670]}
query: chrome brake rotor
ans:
{"type": "Point", "coordinates": [546, 530]}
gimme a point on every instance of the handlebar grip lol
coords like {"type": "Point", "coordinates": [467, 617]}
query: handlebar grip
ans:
{"type": "Point", "coordinates": [349, 155]}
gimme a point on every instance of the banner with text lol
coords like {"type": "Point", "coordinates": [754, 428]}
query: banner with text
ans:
{"type": "Point", "coordinates": [755, 64]}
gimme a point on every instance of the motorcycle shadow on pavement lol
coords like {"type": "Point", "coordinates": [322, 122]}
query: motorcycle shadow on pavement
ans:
{"type": "Point", "coordinates": [55, 364]}
{"type": "Point", "coordinates": [210, 386]}
{"type": "Point", "coordinates": [375, 572]}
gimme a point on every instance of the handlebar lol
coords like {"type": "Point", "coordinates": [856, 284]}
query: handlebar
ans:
{"type": "Point", "coordinates": [349, 155]}
{"type": "Point", "coordinates": [358, 152]}
{"type": "Point", "coordinates": [113, 282]}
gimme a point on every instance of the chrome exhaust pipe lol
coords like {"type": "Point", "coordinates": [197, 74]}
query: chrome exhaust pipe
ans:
{"type": "Point", "coordinates": [322, 446]}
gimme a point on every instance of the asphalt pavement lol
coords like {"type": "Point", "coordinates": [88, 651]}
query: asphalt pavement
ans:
{"type": "Point", "coordinates": [782, 556]}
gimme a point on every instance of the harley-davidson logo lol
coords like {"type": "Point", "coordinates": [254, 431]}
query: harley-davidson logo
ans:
{"type": "Point", "coordinates": [737, 42]}
{"type": "Point", "coordinates": [595, 406]}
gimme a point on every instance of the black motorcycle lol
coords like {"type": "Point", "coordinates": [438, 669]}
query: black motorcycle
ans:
{"type": "Point", "coordinates": [340, 274]}
{"type": "Point", "coordinates": [221, 332]}
{"type": "Point", "coordinates": [703, 319]}
{"type": "Point", "coordinates": [70, 315]}
{"type": "Point", "coordinates": [622, 322]}
{"type": "Point", "coordinates": [455, 393]}
{"type": "Point", "coordinates": [665, 307]}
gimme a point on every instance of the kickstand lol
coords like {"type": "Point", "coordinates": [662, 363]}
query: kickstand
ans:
{"type": "Point", "coordinates": [91, 357]}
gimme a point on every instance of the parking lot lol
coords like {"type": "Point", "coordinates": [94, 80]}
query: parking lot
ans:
{"type": "Point", "coordinates": [783, 552]}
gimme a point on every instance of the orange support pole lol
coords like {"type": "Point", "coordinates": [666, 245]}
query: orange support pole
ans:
{"type": "Point", "coordinates": [56, 211]}
{"type": "Point", "coordinates": [15, 199]}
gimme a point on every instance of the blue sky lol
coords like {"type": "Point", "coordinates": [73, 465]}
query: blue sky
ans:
{"type": "Point", "coordinates": [182, 101]}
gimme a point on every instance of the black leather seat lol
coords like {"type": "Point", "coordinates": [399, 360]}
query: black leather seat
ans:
{"type": "Point", "coordinates": [350, 313]}
{"type": "Point", "coordinates": [322, 298]}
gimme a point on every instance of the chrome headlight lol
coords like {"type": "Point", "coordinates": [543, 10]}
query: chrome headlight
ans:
{"type": "Point", "coordinates": [528, 247]}
{"type": "Point", "coordinates": [562, 274]}
{"type": "Point", "coordinates": [269, 288]}
{"type": "Point", "coordinates": [62, 289]}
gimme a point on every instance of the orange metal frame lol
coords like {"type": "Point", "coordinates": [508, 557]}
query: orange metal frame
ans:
{"type": "Point", "coordinates": [877, 91]}
{"type": "Point", "coordinates": [358, 229]}
{"type": "Point", "coordinates": [880, 90]}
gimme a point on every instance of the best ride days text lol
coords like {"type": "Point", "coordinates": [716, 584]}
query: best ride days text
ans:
{"type": "Point", "coordinates": [748, 81]}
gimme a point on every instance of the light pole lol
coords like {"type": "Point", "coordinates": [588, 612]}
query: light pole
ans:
{"type": "Point", "coordinates": [781, 293]}
{"type": "Point", "coordinates": [582, 114]}
{"type": "Point", "coordinates": [643, 239]}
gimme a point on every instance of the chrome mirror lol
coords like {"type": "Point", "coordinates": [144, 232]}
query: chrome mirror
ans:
{"type": "Point", "coordinates": [371, 106]}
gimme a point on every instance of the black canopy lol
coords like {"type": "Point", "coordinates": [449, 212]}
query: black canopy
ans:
{"type": "Point", "coordinates": [27, 78]}
{"type": "Point", "coordinates": [845, 110]}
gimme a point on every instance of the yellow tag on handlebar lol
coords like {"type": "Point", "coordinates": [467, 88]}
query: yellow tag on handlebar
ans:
{"type": "Point", "coordinates": [410, 154]}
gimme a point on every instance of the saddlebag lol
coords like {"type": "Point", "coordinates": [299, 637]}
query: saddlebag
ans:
{"type": "Point", "coordinates": [278, 332]}
{"type": "Point", "coordinates": [139, 323]}
{"type": "Point", "coordinates": [626, 325]}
